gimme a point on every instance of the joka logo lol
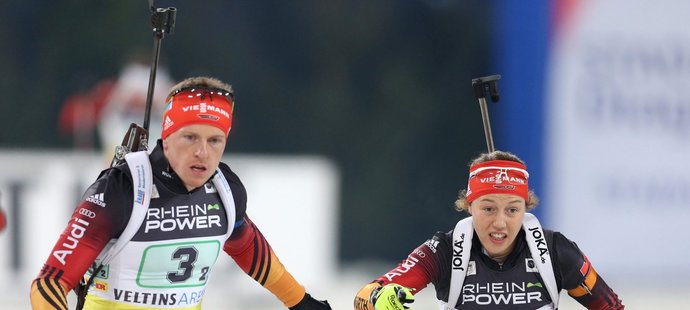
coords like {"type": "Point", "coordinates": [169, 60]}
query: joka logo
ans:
{"type": "Point", "coordinates": [530, 284]}
{"type": "Point", "coordinates": [213, 206]}
{"type": "Point", "coordinates": [540, 243]}
{"type": "Point", "coordinates": [96, 199]}
{"type": "Point", "coordinates": [457, 253]}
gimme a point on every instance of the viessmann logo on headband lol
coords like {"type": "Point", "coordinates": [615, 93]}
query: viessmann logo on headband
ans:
{"type": "Point", "coordinates": [197, 107]}
{"type": "Point", "coordinates": [205, 108]}
{"type": "Point", "coordinates": [497, 176]}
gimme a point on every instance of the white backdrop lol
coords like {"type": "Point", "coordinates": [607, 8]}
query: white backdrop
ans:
{"type": "Point", "coordinates": [293, 200]}
{"type": "Point", "coordinates": [619, 139]}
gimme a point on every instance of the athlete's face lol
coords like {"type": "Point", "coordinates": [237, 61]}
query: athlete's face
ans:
{"type": "Point", "coordinates": [194, 152]}
{"type": "Point", "coordinates": [497, 221]}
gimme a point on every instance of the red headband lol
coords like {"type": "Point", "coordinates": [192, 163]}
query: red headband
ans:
{"type": "Point", "coordinates": [198, 106]}
{"type": "Point", "coordinates": [497, 177]}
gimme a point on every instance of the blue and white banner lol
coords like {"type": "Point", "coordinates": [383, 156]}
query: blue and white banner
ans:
{"type": "Point", "coordinates": [615, 142]}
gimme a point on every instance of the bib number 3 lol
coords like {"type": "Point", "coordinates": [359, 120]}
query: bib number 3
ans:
{"type": "Point", "coordinates": [177, 265]}
{"type": "Point", "coordinates": [187, 257]}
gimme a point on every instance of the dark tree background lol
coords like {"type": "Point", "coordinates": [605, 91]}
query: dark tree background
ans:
{"type": "Point", "coordinates": [380, 87]}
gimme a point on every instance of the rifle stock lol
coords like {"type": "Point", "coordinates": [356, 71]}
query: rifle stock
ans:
{"type": "Point", "coordinates": [136, 139]}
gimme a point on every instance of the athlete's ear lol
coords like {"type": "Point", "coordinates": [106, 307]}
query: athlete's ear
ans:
{"type": "Point", "coordinates": [165, 144]}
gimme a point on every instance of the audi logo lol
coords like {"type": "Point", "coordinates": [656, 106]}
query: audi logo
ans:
{"type": "Point", "coordinates": [87, 213]}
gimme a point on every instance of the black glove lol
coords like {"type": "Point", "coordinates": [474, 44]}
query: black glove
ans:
{"type": "Point", "coordinates": [309, 303]}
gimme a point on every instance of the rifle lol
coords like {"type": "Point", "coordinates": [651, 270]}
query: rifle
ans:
{"type": "Point", "coordinates": [482, 86]}
{"type": "Point", "coordinates": [136, 138]}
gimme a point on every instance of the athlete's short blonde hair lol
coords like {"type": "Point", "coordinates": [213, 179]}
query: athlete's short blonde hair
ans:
{"type": "Point", "coordinates": [201, 82]}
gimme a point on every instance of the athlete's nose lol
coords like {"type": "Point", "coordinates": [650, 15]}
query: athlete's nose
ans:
{"type": "Point", "coordinates": [500, 221]}
{"type": "Point", "coordinates": [202, 151]}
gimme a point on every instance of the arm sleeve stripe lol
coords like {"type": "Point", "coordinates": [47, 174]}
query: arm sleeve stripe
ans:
{"type": "Point", "coordinates": [268, 264]}
{"type": "Point", "coordinates": [50, 282]}
{"type": "Point", "coordinates": [255, 257]}
{"type": "Point", "coordinates": [54, 287]}
{"type": "Point", "coordinates": [612, 299]}
{"type": "Point", "coordinates": [44, 270]}
{"type": "Point", "coordinates": [262, 253]}
{"type": "Point", "coordinates": [45, 283]}
{"type": "Point", "coordinates": [262, 257]}
{"type": "Point", "coordinates": [46, 296]}
{"type": "Point", "coordinates": [261, 262]}
{"type": "Point", "coordinates": [63, 296]}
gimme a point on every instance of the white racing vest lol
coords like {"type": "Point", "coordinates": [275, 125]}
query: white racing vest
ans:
{"type": "Point", "coordinates": [462, 236]}
{"type": "Point", "coordinates": [159, 274]}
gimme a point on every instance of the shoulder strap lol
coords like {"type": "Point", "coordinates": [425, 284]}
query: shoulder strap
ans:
{"type": "Point", "coordinates": [223, 187]}
{"type": "Point", "coordinates": [536, 240]}
{"type": "Point", "coordinates": [462, 244]}
{"type": "Point", "coordinates": [142, 183]}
